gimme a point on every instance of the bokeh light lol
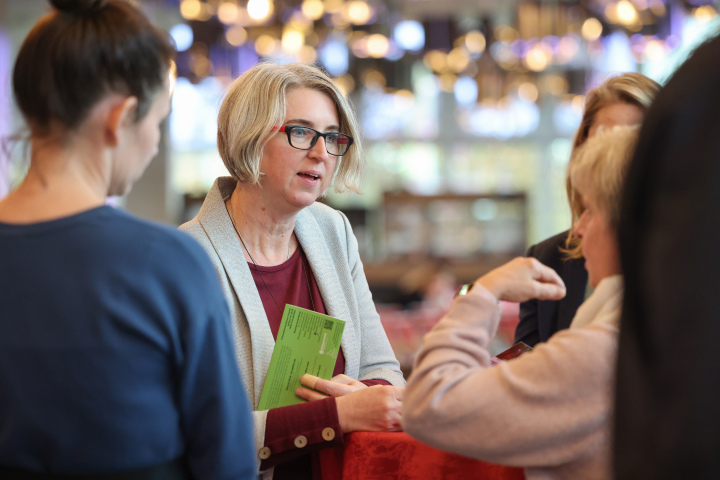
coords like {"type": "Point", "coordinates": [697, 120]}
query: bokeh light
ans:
{"type": "Point", "coordinates": [436, 60]}
{"type": "Point", "coordinates": [704, 13]}
{"type": "Point", "coordinates": [457, 60]}
{"type": "Point", "coordinates": [227, 12]}
{"type": "Point", "coordinates": [410, 35]}
{"type": "Point", "coordinates": [313, 9]}
{"type": "Point", "coordinates": [626, 12]}
{"type": "Point", "coordinates": [335, 57]}
{"type": "Point", "coordinates": [466, 91]}
{"type": "Point", "coordinates": [236, 35]}
{"type": "Point", "coordinates": [190, 9]}
{"type": "Point", "coordinates": [259, 10]}
{"type": "Point", "coordinates": [292, 40]}
{"type": "Point", "coordinates": [592, 29]}
{"type": "Point", "coordinates": [537, 59]}
{"type": "Point", "coordinates": [377, 45]}
{"type": "Point", "coordinates": [357, 12]}
{"type": "Point", "coordinates": [182, 35]}
{"type": "Point", "coordinates": [475, 42]}
{"type": "Point", "coordinates": [265, 45]}
{"type": "Point", "coordinates": [567, 49]}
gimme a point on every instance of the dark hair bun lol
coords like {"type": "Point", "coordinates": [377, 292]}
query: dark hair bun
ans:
{"type": "Point", "coordinates": [77, 6]}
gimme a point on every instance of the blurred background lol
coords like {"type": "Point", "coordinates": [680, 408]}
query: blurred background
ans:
{"type": "Point", "coordinates": [468, 109]}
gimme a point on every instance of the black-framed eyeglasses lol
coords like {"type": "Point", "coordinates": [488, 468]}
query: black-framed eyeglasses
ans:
{"type": "Point", "coordinates": [305, 138]}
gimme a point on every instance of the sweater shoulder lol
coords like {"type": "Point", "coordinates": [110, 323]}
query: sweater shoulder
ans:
{"type": "Point", "coordinates": [155, 250]}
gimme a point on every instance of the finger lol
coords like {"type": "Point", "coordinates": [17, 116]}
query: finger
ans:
{"type": "Point", "coordinates": [546, 274]}
{"type": "Point", "coordinates": [309, 380]}
{"type": "Point", "coordinates": [344, 379]}
{"type": "Point", "coordinates": [309, 395]}
{"type": "Point", "coordinates": [549, 291]}
{"type": "Point", "coordinates": [399, 392]}
{"type": "Point", "coordinates": [332, 388]}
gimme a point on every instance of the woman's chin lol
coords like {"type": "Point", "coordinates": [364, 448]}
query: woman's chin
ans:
{"type": "Point", "coordinates": [302, 200]}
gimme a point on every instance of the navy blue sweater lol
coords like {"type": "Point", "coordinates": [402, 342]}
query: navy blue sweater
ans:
{"type": "Point", "coordinates": [116, 351]}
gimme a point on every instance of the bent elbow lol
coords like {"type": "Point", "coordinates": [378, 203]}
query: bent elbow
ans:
{"type": "Point", "coordinates": [417, 427]}
{"type": "Point", "coordinates": [420, 419]}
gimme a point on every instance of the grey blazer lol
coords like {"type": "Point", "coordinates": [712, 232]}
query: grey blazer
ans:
{"type": "Point", "coordinates": [331, 249]}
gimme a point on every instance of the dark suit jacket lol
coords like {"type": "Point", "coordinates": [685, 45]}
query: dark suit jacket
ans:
{"type": "Point", "coordinates": [540, 319]}
{"type": "Point", "coordinates": [667, 419]}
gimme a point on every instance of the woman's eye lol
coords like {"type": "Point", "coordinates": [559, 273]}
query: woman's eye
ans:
{"type": "Point", "coordinates": [300, 132]}
{"type": "Point", "coordinates": [331, 138]}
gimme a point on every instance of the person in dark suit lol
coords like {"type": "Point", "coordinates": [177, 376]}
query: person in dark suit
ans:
{"type": "Point", "coordinates": [668, 379]}
{"type": "Point", "coordinates": [620, 100]}
{"type": "Point", "coordinates": [539, 319]}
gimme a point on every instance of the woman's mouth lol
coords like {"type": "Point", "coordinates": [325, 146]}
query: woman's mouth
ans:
{"type": "Point", "coordinates": [309, 176]}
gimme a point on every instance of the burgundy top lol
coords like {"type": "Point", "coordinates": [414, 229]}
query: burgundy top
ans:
{"type": "Point", "coordinates": [293, 282]}
{"type": "Point", "coordinates": [290, 282]}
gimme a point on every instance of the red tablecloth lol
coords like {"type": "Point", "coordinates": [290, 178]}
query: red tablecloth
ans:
{"type": "Point", "coordinates": [397, 456]}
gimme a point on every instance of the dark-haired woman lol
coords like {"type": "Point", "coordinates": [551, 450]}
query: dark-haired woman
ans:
{"type": "Point", "coordinates": [115, 353]}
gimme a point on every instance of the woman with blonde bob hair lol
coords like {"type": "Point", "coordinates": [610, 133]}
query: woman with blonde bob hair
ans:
{"type": "Point", "coordinates": [549, 410]}
{"type": "Point", "coordinates": [285, 133]}
{"type": "Point", "coordinates": [620, 100]}
{"type": "Point", "coordinates": [251, 106]}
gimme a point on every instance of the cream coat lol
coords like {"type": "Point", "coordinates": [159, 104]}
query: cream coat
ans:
{"type": "Point", "coordinates": [331, 249]}
{"type": "Point", "coordinates": [548, 411]}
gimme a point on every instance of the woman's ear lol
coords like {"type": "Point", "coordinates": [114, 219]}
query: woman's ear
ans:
{"type": "Point", "coordinates": [119, 117]}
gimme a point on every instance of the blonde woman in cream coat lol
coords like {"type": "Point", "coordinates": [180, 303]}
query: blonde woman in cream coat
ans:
{"type": "Point", "coordinates": [548, 411]}
{"type": "Point", "coordinates": [286, 133]}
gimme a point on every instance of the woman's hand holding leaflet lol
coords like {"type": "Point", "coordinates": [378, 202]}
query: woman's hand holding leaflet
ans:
{"type": "Point", "coordinates": [360, 408]}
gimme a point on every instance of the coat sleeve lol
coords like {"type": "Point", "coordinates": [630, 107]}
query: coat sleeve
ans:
{"type": "Point", "coordinates": [549, 406]}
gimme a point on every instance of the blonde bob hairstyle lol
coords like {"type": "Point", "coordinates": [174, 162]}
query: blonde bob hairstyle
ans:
{"type": "Point", "coordinates": [631, 88]}
{"type": "Point", "coordinates": [600, 165]}
{"type": "Point", "coordinates": [256, 102]}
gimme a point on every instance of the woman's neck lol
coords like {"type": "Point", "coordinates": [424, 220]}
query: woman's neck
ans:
{"type": "Point", "coordinates": [60, 182]}
{"type": "Point", "coordinates": [267, 234]}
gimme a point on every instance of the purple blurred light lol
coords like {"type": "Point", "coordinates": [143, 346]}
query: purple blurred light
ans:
{"type": "Point", "coordinates": [638, 43]}
{"type": "Point", "coordinates": [672, 41]}
{"type": "Point", "coordinates": [552, 41]}
{"type": "Point", "coordinates": [519, 48]}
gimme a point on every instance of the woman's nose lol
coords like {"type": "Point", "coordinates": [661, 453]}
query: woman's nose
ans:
{"type": "Point", "coordinates": [319, 150]}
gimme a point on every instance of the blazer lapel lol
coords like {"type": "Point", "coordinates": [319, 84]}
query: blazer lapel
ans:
{"type": "Point", "coordinates": [576, 279]}
{"type": "Point", "coordinates": [322, 264]}
{"type": "Point", "coordinates": [215, 220]}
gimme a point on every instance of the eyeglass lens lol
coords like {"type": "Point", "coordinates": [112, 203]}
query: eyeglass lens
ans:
{"type": "Point", "coordinates": [305, 138]}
